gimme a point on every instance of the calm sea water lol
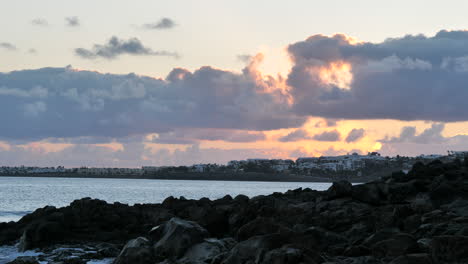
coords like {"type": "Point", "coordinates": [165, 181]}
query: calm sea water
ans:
{"type": "Point", "coordinates": [20, 196]}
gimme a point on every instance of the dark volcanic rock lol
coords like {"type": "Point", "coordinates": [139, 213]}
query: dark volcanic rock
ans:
{"type": "Point", "coordinates": [24, 260]}
{"type": "Point", "coordinates": [177, 236]}
{"type": "Point", "coordinates": [449, 249]}
{"type": "Point", "coordinates": [419, 217]}
{"type": "Point", "coordinates": [340, 189]}
{"type": "Point", "coordinates": [259, 226]}
{"type": "Point", "coordinates": [136, 251]}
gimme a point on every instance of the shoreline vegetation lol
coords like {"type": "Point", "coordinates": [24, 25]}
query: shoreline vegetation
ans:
{"type": "Point", "coordinates": [418, 217]}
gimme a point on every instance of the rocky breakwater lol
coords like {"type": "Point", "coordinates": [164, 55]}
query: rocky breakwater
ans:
{"type": "Point", "coordinates": [419, 217]}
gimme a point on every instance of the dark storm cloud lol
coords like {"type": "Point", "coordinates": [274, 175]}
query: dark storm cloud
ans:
{"type": "Point", "coordinates": [72, 21]}
{"type": "Point", "coordinates": [66, 103]}
{"type": "Point", "coordinates": [410, 78]}
{"type": "Point", "coordinates": [164, 23]}
{"type": "Point", "coordinates": [355, 135]}
{"type": "Point", "coordinates": [116, 47]}
{"type": "Point", "coordinates": [296, 135]}
{"type": "Point", "coordinates": [7, 46]}
{"type": "Point", "coordinates": [333, 135]}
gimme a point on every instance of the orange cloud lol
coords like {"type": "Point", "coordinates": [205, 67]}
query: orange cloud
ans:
{"type": "Point", "coordinates": [268, 83]}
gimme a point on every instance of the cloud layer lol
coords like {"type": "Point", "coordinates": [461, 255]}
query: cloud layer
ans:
{"type": "Point", "coordinates": [7, 46]}
{"type": "Point", "coordinates": [116, 47]}
{"type": "Point", "coordinates": [331, 136]}
{"type": "Point", "coordinates": [335, 77]}
{"type": "Point", "coordinates": [355, 135]}
{"type": "Point", "coordinates": [164, 23]}
{"type": "Point", "coordinates": [66, 103]}
{"type": "Point", "coordinates": [72, 21]}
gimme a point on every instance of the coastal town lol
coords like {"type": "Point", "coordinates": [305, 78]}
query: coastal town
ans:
{"type": "Point", "coordinates": [352, 164]}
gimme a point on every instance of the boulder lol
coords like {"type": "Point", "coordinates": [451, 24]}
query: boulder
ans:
{"type": "Point", "coordinates": [176, 236]}
{"type": "Point", "coordinates": [446, 249]}
{"type": "Point", "coordinates": [24, 260]}
{"type": "Point", "coordinates": [339, 189]}
{"type": "Point", "coordinates": [253, 249]}
{"type": "Point", "coordinates": [206, 251]}
{"type": "Point", "coordinates": [285, 255]}
{"type": "Point", "coordinates": [40, 233]}
{"type": "Point", "coordinates": [368, 193]}
{"type": "Point", "coordinates": [398, 245]}
{"type": "Point", "coordinates": [259, 226]}
{"type": "Point", "coordinates": [136, 251]}
{"type": "Point", "coordinates": [420, 258]}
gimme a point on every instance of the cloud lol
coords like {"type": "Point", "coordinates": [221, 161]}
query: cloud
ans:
{"type": "Point", "coordinates": [245, 58]}
{"type": "Point", "coordinates": [72, 21]}
{"type": "Point", "coordinates": [40, 22]}
{"type": "Point", "coordinates": [116, 47]}
{"type": "Point", "coordinates": [7, 46]}
{"type": "Point", "coordinates": [133, 154]}
{"type": "Point", "coordinates": [429, 141]}
{"type": "Point", "coordinates": [93, 104]}
{"type": "Point", "coordinates": [337, 77]}
{"type": "Point", "coordinates": [164, 23]}
{"type": "Point", "coordinates": [296, 135]}
{"type": "Point", "coordinates": [299, 153]}
{"type": "Point", "coordinates": [355, 135]}
{"type": "Point", "coordinates": [333, 135]}
{"type": "Point", "coordinates": [430, 135]}
{"type": "Point", "coordinates": [326, 123]}
{"type": "Point", "coordinates": [193, 135]}
{"type": "Point", "coordinates": [34, 109]}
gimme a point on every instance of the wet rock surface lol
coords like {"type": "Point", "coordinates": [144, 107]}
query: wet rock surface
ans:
{"type": "Point", "coordinates": [419, 217]}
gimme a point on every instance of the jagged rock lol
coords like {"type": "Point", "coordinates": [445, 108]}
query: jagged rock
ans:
{"type": "Point", "coordinates": [284, 255]}
{"type": "Point", "coordinates": [74, 261]}
{"type": "Point", "coordinates": [378, 236]}
{"type": "Point", "coordinates": [316, 237]}
{"type": "Point", "coordinates": [40, 233]}
{"type": "Point", "coordinates": [177, 236]}
{"type": "Point", "coordinates": [136, 251]}
{"type": "Point", "coordinates": [206, 251]}
{"type": "Point", "coordinates": [259, 226]}
{"type": "Point", "coordinates": [368, 193]}
{"type": "Point", "coordinates": [398, 245]}
{"type": "Point", "coordinates": [421, 258]}
{"type": "Point", "coordinates": [254, 248]}
{"type": "Point", "coordinates": [24, 260]}
{"type": "Point", "coordinates": [446, 249]}
{"type": "Point", "coordinates": [345, 224]}
{"type": "Point", "coordinates": [357, 251]}
{"type": "Point", "coordinates": [340, 189]}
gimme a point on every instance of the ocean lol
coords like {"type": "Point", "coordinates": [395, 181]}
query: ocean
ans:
{"type": "Point", "coordinates": [22, 195]}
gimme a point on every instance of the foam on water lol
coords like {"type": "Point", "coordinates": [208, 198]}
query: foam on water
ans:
{"type": "Point", "coordinates": [9, 253]}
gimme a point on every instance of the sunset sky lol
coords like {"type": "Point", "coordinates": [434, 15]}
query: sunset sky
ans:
{"type": "Point", "coordinates": [116, 83]}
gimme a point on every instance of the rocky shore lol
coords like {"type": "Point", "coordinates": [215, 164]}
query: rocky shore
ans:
{"type": "Point", "coordinates": [420, 217]}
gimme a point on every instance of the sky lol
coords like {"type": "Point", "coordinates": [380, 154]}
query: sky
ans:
{"type": "Point", "coordinates": [128, 84]}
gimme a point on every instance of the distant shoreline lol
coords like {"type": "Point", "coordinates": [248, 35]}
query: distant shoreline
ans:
{"type": "Point", "coordinates": [258, 177]}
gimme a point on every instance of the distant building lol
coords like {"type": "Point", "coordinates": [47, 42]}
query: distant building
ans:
{"type": "Point", "coordinates": [458, 154]}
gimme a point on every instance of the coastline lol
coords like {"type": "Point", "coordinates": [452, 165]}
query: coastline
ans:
{"type": "Point", "coordinates": [419, 217]}
{"type": "Point", "coordinates": [253, 177]}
